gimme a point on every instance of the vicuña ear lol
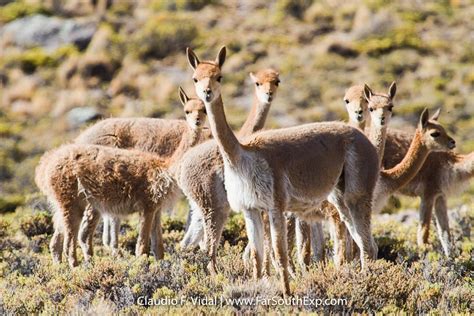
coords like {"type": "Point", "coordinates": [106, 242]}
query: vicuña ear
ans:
{"type": "Point", "coordinates": [367, 92]}
{"type": "Point", "coordinates": [392, 90]}
{"type": "Point", "coordinates": [220, 59]}
{"type": "Point", "coordinates": [435, 116]}
{"type": "Point", "coordinates": [252, 76]}
{"type": "Point", "coordinates": [424, 118]}
{"type": "Point", "coordinates": [182, 96]}
{"type": "Point", "coordinates": [192, 58]}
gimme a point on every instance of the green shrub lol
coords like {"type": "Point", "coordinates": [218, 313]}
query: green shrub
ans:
{"type": "Point", "coordinates": [295, 8]}
{"type": "Point", "coordinates": [176, 5]}
{"type": "Point", "coordinates": [4, 225]}
{"type": "Point", "coordinates": [9, 203]}
{"type": "Point", "coordinates": [163, 35]}
{"type": "Point", "coordinates": [37, 224]}
{"type": "Point", "coordinates": [403, 37]}
{"type": "Point", "coordinates": [18, 9]}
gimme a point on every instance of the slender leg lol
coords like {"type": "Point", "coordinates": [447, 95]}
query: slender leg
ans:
{"type": "Point", "coordinates": [106, 230]}
{"type": "Point", "coordinates": [86, 232]}
{"type": "Point", "coordinates": [317, 241]}
{"type": "Point", "coordinates": [426, 209]}
{"type": "Point", "coordinates": [280, 246]}
{"type": "Point", "coordinates": [114, 229]}
{"type": "Point", "coordinates": [303, 236]}
{"type": "Point", "coordinates": [56, 246]}
{"type": "Point", "coordinates": [143, 242]}
{"type": "Point", "coordinates": [442, 223]}
{"type": "Point", "coordinates": [195, 231]}
{"type": "Point", "coordinates": [71, 228]}
{"type": "Point", "coordinates": [254, 226]}
{"type": "Point", "coordinates": [157, 237]}
{"type": "Point", "coordinates": [291, 236]}
{"type": "Point", "coordinates": [267, 248]}
{"type": "Point", "coordinates": [209, 235]}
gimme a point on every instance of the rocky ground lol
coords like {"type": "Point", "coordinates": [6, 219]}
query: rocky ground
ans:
{"type": "Point", "coordinates": [63, 65]}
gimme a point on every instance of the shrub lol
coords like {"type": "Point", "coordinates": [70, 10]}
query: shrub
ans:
{"type": "Point", "coordinates": [37, 224]}
{"type": "Point", "coordinates": [176, 5]}
{"type": "Point", "coordinates": [163, 35]}
{"type": "Point", "coordinates": [9, 203]}
{"type": "Point", "coordinates": [18, 9]}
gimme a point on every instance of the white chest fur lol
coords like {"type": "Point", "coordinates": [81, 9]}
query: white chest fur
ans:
{"type": "Point", "coordinates": [249, 184]}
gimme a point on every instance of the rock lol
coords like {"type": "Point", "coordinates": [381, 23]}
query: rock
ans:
{"type": "Point", "coordinates": [78, 116]}
{"type": "Point", "coordinates": [48, 32]}
{"type": "Point", "coordinates": [367, 23]}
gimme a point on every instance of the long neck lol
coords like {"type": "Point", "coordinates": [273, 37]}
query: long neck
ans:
{"type": "Point", "coordinates": [256, 118]}
{"type": "Point", "coordinates": [378, 136]}
{"type": "Point", "coordinates": [190, 138]}
{"type": "Point", "coordinates": [229, 146]}
{"type": "Point", "coordinates": [464, 167]}
{"type": "Point", "coordinates": [407, 169]}
{"type": "Point", "coordinates": [359, 125]}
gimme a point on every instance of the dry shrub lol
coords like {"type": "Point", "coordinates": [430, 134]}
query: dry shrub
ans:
{"type": "Point", "coordinates": [37, 224]}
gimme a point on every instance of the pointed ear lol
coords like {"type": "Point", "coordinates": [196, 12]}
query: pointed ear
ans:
{"type": "Point", "coordinates": [392, 90]}
{"type": "Point", "coordinates": [252, 76]}
{"type": "Point", "coordinates": [435, 116]}
{"type": "Point", "coordinates": [182, 96]}
{"type": "Point", "coordinates": [367, 92]}
{"type": "Point", "coordinates": [220, 59]}
{"type": "Point", "coordinates": [192, 58]}
{"type": "Point", "coordinates": [424, 119]}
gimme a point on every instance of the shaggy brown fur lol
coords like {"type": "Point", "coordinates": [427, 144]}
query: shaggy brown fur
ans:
{"type": "Point", "coordinates": [112, 181]}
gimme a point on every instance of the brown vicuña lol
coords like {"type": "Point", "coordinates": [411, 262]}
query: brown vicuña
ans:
{"type": "Point", "coordinates": [202, 169]}
{"type": "Point", "coordinates": [443, 173]}
{"type": "Point", "coordinates": [112, 181]}
{"type": "Point", "coordinates": [300, 166]}
{"type": "Point", "coordinates": [154, 135]}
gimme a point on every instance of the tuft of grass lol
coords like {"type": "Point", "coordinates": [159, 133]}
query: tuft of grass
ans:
{"type": "Point", "coordinates": [9, 203]}
{"type": "Point", "coordinates": [19, 9]}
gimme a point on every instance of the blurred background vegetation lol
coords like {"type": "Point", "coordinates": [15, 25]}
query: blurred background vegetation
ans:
{"type": "Point", "coordinates": [67, 63]}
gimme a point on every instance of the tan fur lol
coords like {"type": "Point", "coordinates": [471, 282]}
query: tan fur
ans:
{"type": "Point", "coordinates": [438, 178]}
{"type": "Point", "coordinates": [112, 181]}
{"type": "Point", "coordinates": [202, 170]}
{"type": "Point", "coordinates": [301, 165]}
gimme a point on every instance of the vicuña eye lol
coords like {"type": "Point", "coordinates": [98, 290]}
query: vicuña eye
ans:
{"type": "Point", "coordinates": [187, 112]}
{"type": "Point", "coordinates": [390, 108]}
{"type": "Point", "coordinates": [371, 109]}
{"type": "Point", "coordinates": [257, 84]}
{"type": "Point", "coordinates": [347, 101]}
{"type": "Point", "coordinates": [435, 134]}
{"type": "Point", "coordinates": [219, 79]}
{"type": "Point", "coordinates": [277, 83]}
{"type": "Point", "coordinates": [195, 80]}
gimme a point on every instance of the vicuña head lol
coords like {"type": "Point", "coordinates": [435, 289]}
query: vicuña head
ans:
{"type": "Point", "coordinates": [207, 75]}
{"type": "Point", "coordinates": [380, 105]}
{"type": "Point", "coordinates": [266, 84]}
{"type": "Point", "coordinates": [356, 104]}
{"type": "Point", "coordinates": [194, 110]}
{"type": "Point", "coordinates": [435, 136]}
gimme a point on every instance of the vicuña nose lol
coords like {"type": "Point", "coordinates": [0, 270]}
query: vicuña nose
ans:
{"type": "Point", "coordinates": [452, 143]}
{"type": "Point", "coordinates": [207, 91]}
{"type": "Point", "coordinates": [359, 112]}
{"type": "Point", "coordinates": [269, 93]}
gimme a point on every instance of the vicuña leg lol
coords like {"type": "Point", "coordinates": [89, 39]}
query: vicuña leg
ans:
{"type": "Point", "coordinates": [280, 246]}
{"type": "Point", "coordinates": [442, 223]}
{"type": "Point", "coordinates": [426, 209]}
{"type": "Point", "coordinates": [86, 232]}
{"type": "Point", "coordinates": [143, 241]}
{"type": "Point", "coordinates": [317, 241]}
{"type": "Point", "coordinates": [254, 226]}
{"type": "Point", "coordinates": [303, 236]}
{"type": "Point", "coordinates": [157, 237]}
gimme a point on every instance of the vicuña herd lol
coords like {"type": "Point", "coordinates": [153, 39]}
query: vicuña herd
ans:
{"type": "Point", "coordinates": [301, 175]}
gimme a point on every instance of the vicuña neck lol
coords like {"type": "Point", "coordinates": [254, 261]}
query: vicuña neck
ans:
{"type": "Point", "coordinates": [407, 169]}
{"type": "Point", "coordinates": [229, 146]}
{"type": "Point", "coordinates": [189, 139]}
{"type": "Point", "coordinates": [256, 118]}
{"type": "Point", "coordinates": [378, 136]}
